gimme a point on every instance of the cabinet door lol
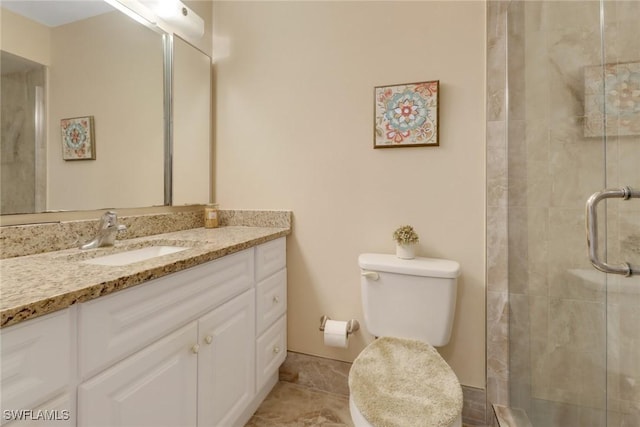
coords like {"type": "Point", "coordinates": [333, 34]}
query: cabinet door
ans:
{"type": "Point", "coordinates": [35, 361]}
{"type": "Point", "coordinates": [226, 370]}
{"type": "Point", "coordinates": [154, 387]}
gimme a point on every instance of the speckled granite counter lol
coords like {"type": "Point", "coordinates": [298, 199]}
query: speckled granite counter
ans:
{"type": "Point", "coordinates": [50, 234]}
{"type": "Point", "coordinates": [34, 285]}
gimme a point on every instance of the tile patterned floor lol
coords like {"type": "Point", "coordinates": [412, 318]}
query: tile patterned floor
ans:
{"type": "Point", "coordinates": [293, 405]}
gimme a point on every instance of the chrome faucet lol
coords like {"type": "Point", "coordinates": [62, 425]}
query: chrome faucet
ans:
{"type": "Point", "coordinates": [107, 230]}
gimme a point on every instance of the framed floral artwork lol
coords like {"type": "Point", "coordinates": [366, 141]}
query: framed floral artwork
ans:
{"type": "Point", "coordinates": [78, 140]}
{"type": "Point", "coordinates": [406, 115]}
{"type": "Point", "coordinates": [612, 91]}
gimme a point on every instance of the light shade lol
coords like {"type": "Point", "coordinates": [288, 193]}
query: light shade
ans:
{"type": "Point", "coordinates": [134, 10]}
{"type": "Point", "coordinates": [179, 16]}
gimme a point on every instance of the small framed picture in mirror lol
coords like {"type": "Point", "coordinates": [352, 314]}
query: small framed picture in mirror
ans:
{"type": "Point", "coordinates": [78, 139]}
{"type": "Point", "coordinates": [406, 115]}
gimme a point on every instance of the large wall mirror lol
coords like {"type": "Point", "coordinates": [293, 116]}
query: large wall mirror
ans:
{"type": "Point", "coordinates": [86, 59]}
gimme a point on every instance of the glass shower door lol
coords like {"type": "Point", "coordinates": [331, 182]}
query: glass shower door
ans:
{"type": "Point", "coordinates": [573, 130]}
{"type": "Point", "coordinates": [621, 106]}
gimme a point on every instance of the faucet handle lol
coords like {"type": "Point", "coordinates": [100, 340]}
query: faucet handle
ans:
{"type": "Point", "coordinates": [108, 219]}
{"type": "Point", "coordinates": [107, 229]}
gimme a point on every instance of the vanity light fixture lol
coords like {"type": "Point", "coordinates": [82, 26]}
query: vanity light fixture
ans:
{"type": "Point", "coordinates": [168, 15]}
{"type": "Point", "coordinates": [178, 15]}
{"type": "Point", "coordinates": [136, 11]}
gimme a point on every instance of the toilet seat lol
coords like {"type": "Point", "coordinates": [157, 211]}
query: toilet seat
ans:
{"type": "Point", "coordinates": [399, 382]}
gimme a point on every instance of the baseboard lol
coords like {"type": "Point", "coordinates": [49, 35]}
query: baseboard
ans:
{"type": "Point", "coordinates": [510, 417]}
{"type": "Point", "coordinates": [474, 406]}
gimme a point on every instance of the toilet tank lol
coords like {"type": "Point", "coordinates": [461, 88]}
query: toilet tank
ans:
{"type": "Point", "coordinates": [413, 298]}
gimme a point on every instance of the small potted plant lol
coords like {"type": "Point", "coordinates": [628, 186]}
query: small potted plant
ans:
{"type": "Point", "coordinates": [406, 239]}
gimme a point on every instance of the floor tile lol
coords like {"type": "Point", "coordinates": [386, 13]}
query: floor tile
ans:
{"type": "Point", "coordinates": [290, 405]}
{"type": "Point", "coordinates": [293, 405]}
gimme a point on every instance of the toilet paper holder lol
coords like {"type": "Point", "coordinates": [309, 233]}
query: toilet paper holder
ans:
{"type": "Point", "coordinates": [352, 325]}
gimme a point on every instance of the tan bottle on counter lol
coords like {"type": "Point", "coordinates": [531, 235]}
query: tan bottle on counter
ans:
{"type": "Point", "coordinates": [211, 216]}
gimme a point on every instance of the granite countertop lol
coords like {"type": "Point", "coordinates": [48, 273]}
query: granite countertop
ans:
{"type": "Point", "coordinates": [34, 285]}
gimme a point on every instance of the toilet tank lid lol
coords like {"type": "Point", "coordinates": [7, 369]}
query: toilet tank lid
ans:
{"type": "Point", "coordinates": [428, 267]}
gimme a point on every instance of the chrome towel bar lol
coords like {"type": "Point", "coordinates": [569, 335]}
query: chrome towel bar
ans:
{"type": "Point", "coordinates": [624, 193]}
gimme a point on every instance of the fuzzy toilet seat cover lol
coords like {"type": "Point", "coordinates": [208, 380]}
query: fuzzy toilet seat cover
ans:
{"type": "Point", "coordinates": [398, 382]}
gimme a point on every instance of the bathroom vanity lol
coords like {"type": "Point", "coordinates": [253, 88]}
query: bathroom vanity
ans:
{"type": "Point", "coordinates": [192, 338]}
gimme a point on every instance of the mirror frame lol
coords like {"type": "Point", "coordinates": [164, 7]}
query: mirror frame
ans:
{"type": "Point", "coordinates": [167, 43]}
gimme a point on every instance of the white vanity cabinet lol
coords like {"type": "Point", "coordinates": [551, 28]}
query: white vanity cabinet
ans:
{"type": "Point", "coordinates": [181, 350]}
{"type": "Point", "coordinates": [36, 360]}
{"type": "Point", "coordinates": [201, 374]}
{"type": "Point", "coordinates": [196, 348]}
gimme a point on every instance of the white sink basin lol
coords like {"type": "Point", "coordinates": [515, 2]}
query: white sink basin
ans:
{"type": "Point", "coordinates": [135, 255]}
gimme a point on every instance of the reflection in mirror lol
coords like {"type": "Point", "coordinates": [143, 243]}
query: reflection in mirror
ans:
{"type": "Point", "coordinates": [113, 73]}
{"type": "Point", "coordinates": [191, 124]}
{"type": "Point", "coordinates": [22, 149]}
{"type": "Point", "coordinates": [106, 66]}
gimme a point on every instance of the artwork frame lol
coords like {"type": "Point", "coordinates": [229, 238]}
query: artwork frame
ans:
{"type": "Point", "coordinates": [407, 115]}
{"type": "Point", "coordinates": [78, 138]}
{"type": "Point", "coordinates": [612, 90]}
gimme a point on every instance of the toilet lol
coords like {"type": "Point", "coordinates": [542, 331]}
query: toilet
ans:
{"type": "Point", "coordinates": [400, 380]}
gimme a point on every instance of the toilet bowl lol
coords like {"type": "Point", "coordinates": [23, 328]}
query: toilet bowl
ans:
{"type": "Point", "coordinates": [360, 421]}
{"type": "Point", "coordinates": [400, 379]}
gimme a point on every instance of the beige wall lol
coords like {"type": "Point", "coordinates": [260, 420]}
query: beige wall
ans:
{"type": "Point", "coordinates": [35, 47]}
{"type": "Point", "coordinates": [293, 130]}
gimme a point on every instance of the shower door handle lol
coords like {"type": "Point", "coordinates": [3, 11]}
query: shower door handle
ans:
{"type": "Point", "coordinates": [624, 193]}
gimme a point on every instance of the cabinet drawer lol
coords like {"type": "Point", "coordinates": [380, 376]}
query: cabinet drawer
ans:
{"type": "Point", "coordinates": [117, 325]}
{"type": "Point", "coordinates": [270, 257]}
{"type": "Point", "coordinates": [271, 350]}
{"type": "Point", "coordinates": [35, 360]}
{"type": "Point", "coordinates": [271, 300]}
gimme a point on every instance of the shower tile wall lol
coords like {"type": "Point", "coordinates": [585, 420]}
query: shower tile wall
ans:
{"type": "Point", "coordinates": [497, 386]}
{"type": "Point", "coordinates": [18, 136]}
{"type": "Point", "coordinates": [559, 307]}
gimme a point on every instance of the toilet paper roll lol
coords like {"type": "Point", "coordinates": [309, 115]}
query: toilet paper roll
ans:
{"type": "Point", "coordinates": [335, 334]}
